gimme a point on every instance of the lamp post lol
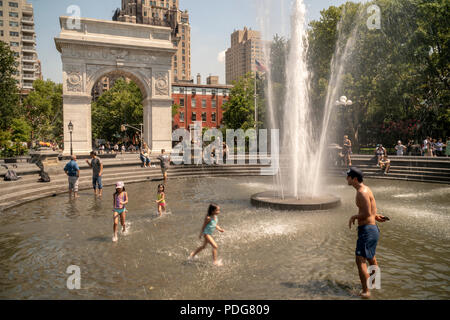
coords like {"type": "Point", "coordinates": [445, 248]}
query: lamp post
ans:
{"type": "Point", "coordinates": [70, 126]}
{"type": "Point", "coordinates": [343, 101]}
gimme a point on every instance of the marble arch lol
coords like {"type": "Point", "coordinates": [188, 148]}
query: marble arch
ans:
{"type": "Point", "coordinates": [94, 48]}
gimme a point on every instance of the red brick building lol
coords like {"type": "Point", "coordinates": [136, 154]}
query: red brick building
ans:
{"type": "Point", "coordinates": [199, 102]}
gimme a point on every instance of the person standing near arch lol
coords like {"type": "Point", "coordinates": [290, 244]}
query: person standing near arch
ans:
{"type": "Point", "coordinates": [97, 172]}
{"type": "Point", "coordinates": [165, 163]}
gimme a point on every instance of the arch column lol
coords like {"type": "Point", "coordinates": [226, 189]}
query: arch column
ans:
{"type": "Point", "coordinates": [158, 123]}
{"type": "Point", "coordinates": [77, 109]}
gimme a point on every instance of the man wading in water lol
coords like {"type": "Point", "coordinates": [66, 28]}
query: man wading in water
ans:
{"type": "Point", "coordinates": [368, 232]}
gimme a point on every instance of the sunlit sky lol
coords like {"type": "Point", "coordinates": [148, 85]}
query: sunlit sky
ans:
{"type": "Point", "coordinates": [212, 22]}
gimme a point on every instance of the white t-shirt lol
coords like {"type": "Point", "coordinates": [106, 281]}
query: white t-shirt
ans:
{"type": "Point", "coordinates": [400, 149]}
{"type": "Point", "coordinates": [425, 144]}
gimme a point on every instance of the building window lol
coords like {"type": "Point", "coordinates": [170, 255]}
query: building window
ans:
{"type": "Point", "coordinates": [1, 33]}
{"type": "Point", "coordinates": [14, 44]}
{"type": "Point", "coordinates": [184, 58]}
{"type": "Point", "coordinates": [182, 90]}
{"type": "Point", "coordinates": [13, 4]}
{"type": "Point", "coordinates": [13, 34]}
{"type": "Point", "coordinates": [204, 92]}
{"type": "Point", "coordinates": [13, 24]}
{"type": "Point", "coordinates": [194, 103]}
{"type": "Point", "coordinates": [213, 103]}
{"type": "Point", "coordinates": [194, 116]}
{"type": "Point", "coordinates": [213, 117]}
{"type": "Point", "coordinates": [183, 51]}
{"type": "Point", "coordinates": [181, 116]}
{"type": "Point", "coordinates": [182, 102]}
{"type": "Point", "coordinates": [182, 37]}
{"type": "Point", "coordinates": [1, 3]}
{"type": "Point", "coordinates": [203, 103]}
{"type": "Point", "coordinates": [1, 13]}
{"type": "Point", "coordinates": [204, 116]}
{"type": "Point", "coordinates": [175, 64]}
{"type": "Point", "coordinates": [1, 23]}
{"type": "Point", "coordinates": [14, 14]}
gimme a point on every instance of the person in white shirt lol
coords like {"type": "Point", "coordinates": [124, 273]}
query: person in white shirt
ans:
{"type": "Point", "coordinates": [400, 148]}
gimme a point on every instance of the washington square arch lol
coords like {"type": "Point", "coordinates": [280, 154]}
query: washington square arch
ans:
{"type": "Point", "coordinates": [95, 48]}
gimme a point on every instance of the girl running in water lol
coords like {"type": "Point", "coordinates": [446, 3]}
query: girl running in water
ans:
{"type": "Point", "coordinates": [120, 199]}
{"type": "Point", "coordinates": [208, 228]}
{"type": "Point", "coordinates": [161, 200]}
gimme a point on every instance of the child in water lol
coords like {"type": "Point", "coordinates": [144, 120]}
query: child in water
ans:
{"type": "Point", "coordinates": [208, 228]}
{"type": "Point", "coordinates": [120, 199]}
{"type": "Point", "coordinates": [161, 200]}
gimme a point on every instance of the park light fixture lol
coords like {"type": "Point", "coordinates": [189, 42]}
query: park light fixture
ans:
{"type": "Point", "coordinates": [70, 126]}
{"type": "Point", "coordinates": [343, 101]}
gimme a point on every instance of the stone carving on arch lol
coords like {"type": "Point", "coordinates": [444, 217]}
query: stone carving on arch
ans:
{"type": "Point", "coordinates": [162, 84]}
{"type": "Point", "coordinates": [74, 78]}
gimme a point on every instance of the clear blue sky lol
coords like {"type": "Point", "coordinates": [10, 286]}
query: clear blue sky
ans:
{"type": "Point", "coordinates": [212, 22]}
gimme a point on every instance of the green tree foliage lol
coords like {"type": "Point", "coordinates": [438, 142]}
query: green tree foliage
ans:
{"type": "Point", "coordinates": [43, 109]}
{"type": "Point", "coordinates": [9, 94]}
{"type": "Point", "coordinates": [122, 104]}
{"type": "Point", "coordinates": [239, 111]}
{"type": "Point", "coordinates": [396, 76]}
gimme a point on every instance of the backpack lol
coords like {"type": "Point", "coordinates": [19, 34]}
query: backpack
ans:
{"type": "Point", "coordinates": [11, 175]}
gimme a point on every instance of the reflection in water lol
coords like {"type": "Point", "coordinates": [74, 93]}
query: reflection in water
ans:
{"type": "Point", "coordinates": [266, 254]}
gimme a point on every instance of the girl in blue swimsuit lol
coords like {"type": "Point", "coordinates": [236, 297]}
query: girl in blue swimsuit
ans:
{"type": "Point", "coordinates": [208, 228]}
{"type": "Point", "coordinates": [120, 199]}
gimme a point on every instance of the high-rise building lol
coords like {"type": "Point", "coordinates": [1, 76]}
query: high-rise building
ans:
{"type": "Point", "coordinates": [163, 13]}
{"type": "Point", "coordinates": [17, 30]}
{"type": "Point", "coordinates": [246, 47]}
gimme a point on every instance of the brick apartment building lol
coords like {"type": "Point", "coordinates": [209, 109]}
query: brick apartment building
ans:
{"type": "Point", "coordinates": [199, 102]}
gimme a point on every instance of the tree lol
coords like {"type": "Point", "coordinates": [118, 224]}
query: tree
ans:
{"type": "Point", "coordinates": [122, 104]}
{"type": "Point", "coordinates": [44, 110]}
{"type": "Point", "coordinates": [239, 111]}
{"type": "Point", "coordinates": [9, 93]}
{"type": "Point", "coordinates": [394, 75]}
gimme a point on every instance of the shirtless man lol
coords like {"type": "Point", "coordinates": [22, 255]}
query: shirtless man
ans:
{"type": "Point", "coordinates": [368, 232]}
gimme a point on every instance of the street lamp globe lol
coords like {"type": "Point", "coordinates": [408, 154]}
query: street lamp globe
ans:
{"type": "Point", "coordinates": [70, 126]}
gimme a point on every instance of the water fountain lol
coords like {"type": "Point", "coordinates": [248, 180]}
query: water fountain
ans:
{"type": "Point", "coordinates": [297, 184]}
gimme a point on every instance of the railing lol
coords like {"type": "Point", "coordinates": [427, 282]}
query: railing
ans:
{"type": "Point", "coordinates": [28, 38]}
{"type": "Point", "coordinates": [25, 58]}
{"type": "Point", "coordinates": [28, 67]}
{"type": "Point", "coordinates": [29, 76]}
{"type": "Point", "coordinates": [27, 85]}
{"type": "Point", "coordinates": [27, 18]}
{"type": "Point", "coordinates": [31, 48]}
{"type": "Point", "coordinates": [28, 28]}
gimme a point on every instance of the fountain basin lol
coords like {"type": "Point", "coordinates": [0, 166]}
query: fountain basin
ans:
{"type": "Point", "coordinates": [271, 199]}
